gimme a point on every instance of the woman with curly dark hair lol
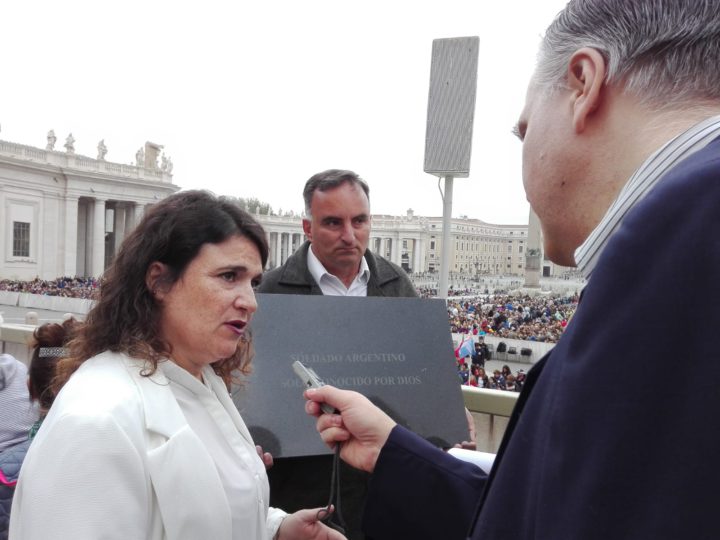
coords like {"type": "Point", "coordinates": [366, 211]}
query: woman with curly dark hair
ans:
{"type": "Point", "coordinates": [143, 440]}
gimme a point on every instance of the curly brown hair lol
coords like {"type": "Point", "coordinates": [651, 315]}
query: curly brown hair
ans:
{"type": "Point", "coordinates": [126, 316]}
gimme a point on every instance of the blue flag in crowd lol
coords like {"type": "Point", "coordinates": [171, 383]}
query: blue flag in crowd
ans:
{"type": "Point", "coordinates": [466, 348]}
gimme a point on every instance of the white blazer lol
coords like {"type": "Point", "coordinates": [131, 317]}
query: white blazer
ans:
{"type": "Point", "coordinates": [116, 459]}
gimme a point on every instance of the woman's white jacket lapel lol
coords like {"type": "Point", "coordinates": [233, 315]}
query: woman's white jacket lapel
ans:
{"type": "Point", "coordinates": [179, 495]}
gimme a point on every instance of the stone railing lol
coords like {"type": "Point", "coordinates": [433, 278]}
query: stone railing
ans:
{"type": "Point", "coordinates": [489, 401]}
{"type": "Point", "coordinates": [42, 301]}
{"type": "Point", "coordinates": [77, 161]}
{"type": "Point", "coordinates": [15, 340]}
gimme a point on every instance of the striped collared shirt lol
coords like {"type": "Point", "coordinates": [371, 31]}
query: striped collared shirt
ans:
{"type": "Point", "coordinates": [17, 412]}
{"type": "Point", "coordinates": [640, 184]}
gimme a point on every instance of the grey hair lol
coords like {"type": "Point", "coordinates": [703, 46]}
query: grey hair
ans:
{"type": "Point", "coordinates": [330, 179]}
{"type": "Point", "coordinates": [666, 52]}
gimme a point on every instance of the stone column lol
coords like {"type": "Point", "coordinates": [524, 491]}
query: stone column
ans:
{"type": "Point", "coordinates": [416, 255]}
{"type": "Point", "coordinates": [98, 242]}
{"type": "Point", "coordinates": [395, 250]}
{"type": "Point", "coordinates": [119, 225]}
{"type": "Point", "coordinates": [139, 211]}
{"type": "Point", "coordinates": [71, 236]}
{"type": "Point", "coordinates": [129, 219]}
{"type": "Point", "coordinates": [278, 249]}
{"type": "Point", "coordinates": [284, 247]}
{"type": "Point", "coordinates": [290, 244]}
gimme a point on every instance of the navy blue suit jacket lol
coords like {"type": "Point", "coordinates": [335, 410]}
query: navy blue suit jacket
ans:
{"type": "Point", "coordinates": [616, 434]}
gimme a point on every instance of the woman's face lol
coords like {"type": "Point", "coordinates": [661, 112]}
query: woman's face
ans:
{"type": "Point", "coordinates": [204, 313]}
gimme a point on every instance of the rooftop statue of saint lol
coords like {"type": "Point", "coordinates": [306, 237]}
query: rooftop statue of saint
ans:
{"type": "Point", "coordinates": [70, 144]}
{"type": "Point", "coordinates": [166, 164]}
{"type": "Point", "coordinates": [102, 150]}
{"type": "Point", "coordinates": [51, 140]}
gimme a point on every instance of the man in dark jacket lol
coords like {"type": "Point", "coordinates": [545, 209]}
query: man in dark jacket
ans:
{"type": "Point", "coordinates": [334, 261]}
{"type": "Point", "coordinates": [621, 163]}
{"type": "Point", "coordinates": [294, 277]}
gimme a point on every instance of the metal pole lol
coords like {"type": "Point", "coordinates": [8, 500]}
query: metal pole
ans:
{"type": "Point", "coordinates": [445, 255]}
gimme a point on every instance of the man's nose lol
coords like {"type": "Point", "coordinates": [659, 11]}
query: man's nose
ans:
{"type": "Point", "coordinates": [348, 233]}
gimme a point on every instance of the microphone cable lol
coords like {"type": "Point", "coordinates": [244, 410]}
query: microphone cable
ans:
{"type": "Point", "coordinates": [334, 520]}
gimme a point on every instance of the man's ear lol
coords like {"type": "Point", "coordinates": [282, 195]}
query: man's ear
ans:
{"type": "Point", "coordinates": [586, 79]}
{"type": "Point", "coordinates": [154, 279]}
{"type": "Point", "coordinates": [307, 228]}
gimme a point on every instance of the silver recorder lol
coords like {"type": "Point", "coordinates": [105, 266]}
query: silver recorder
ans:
{"type": "Point", "coordinates": [311, 380]}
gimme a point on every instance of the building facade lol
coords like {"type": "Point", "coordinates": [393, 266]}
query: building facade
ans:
{"type": "Point", "coordinates": [479, 248]}
{"type": "Point", "coordinates": [415, 243]}
{"type": "Point", "coordinates": [65, 214]}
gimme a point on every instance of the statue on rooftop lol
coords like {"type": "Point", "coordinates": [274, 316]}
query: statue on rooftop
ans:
{"type": "Point", "coordinates": [51, 140]}
{"type": "Point", "coordinates": [140, 157]}
{"type": "Point", "coordinates": [70, 144]}
{"type": "Point", "coordinates": [102, 150]}
{"type": "Point", "coordinates": [166, 164]}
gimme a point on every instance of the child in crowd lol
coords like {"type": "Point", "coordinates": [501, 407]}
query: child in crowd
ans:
{"type": "Point", "coordinates": [48, 347]}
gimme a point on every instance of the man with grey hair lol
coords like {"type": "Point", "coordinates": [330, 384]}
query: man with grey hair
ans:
{"type": "Point", "coordinates": [621, 162]}
{"type": "Point", "coordinates": [334, 261]}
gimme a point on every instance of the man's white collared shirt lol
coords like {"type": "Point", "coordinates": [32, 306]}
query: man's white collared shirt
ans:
{"type": "Point", "coordinates": [331, 285]}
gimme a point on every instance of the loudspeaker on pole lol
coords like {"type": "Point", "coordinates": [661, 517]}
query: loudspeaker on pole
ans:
{"type": "Point", "coordinates": [451, 106]}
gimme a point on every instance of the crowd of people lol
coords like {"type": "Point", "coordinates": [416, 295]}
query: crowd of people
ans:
{"type": "Point", "coordinates": [513, 316]}
{"type": "Point", "coordinates": [475, 375]}
{"type": "Point", "coordinates": [431, 292]}
{"type": "Point", "coordinates": [68, 287]}
{"type": "Point", "coordinates": [472, 371]}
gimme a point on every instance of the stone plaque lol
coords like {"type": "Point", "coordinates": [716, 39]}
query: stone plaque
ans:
{"type": "Point", "coordinates": [396, 351]}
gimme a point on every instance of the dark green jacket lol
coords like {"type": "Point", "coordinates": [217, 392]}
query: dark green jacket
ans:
{"type": "Point", "coordinates": [304, 482]}
{"type": "Point", "coordinates": [293, 277]}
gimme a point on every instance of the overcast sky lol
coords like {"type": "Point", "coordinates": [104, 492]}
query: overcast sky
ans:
{"type": "Point", "coordinates": [252, 98]}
